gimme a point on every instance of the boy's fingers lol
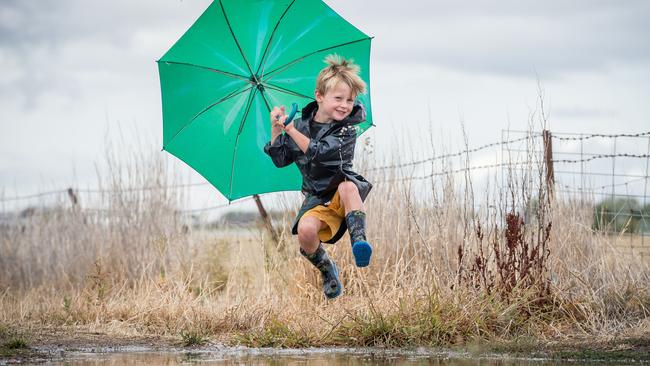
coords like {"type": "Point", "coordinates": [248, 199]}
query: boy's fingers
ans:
{"type": "Point", "coordinates": [278, 115]}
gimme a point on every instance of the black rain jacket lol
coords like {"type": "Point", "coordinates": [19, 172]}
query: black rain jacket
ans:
{"type": "Point", "coordinates": [327, 161]}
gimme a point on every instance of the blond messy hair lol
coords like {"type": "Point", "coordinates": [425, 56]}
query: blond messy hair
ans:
{"type": "Point", "coordinates": [338, 70]}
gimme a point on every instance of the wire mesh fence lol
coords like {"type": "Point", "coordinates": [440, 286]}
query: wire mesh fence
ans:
{"type": "Point", "coordinates": [608, 170]}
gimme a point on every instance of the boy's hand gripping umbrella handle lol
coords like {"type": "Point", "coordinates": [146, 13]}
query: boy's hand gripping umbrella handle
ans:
{"type": "Point", "coordinates": [292, 114]}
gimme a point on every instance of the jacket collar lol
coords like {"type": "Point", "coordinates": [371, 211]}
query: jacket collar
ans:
{"type": "Point", "coordinates": [357, 115]}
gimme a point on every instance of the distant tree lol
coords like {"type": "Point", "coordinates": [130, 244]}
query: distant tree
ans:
{"type": "Point", "coordinates": [239, 218]}
{"type": "Point", "coordinates": [644, 222]}
{"type": "Point", "coordinates": [618, 215]}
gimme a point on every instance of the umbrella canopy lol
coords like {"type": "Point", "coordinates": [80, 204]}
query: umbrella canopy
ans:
{"type": "Point", "coordinates": [223, 76]}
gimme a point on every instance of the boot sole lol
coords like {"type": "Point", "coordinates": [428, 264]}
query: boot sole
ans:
{"type": "Point", "coordinates": [362, 252]}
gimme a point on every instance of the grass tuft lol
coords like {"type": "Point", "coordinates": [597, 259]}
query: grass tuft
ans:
{"type": "Point", "coordinates": [16, 343]}
{"type": "Point", "coordinates": [193, 337]}
{"type": "Point", "coordinates": [274, 334]}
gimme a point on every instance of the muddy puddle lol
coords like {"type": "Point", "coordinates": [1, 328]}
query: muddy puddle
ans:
{"type": "Point", "coordinates": [248, 356]}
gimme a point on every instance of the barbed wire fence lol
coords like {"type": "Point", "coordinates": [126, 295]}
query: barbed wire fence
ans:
{"type": "Point", "coordinates": [598, 167]}
{"type": "Point", "coordinates": [34, 204]}
{"type": "Point", "coordinates": [608, 170]}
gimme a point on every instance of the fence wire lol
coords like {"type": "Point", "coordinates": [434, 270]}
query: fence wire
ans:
{"type": "Point", "coordinates": [535, 157]}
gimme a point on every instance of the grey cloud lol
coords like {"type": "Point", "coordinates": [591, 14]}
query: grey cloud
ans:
{"type": "Point", "coordinates": [25, 23]}
{"type": "Point", "coordinates": [583, 112]}
{"type": "Point", "coordinates": [44, 41]}
{"type": "Point", "coordinates": [509, 37]}
{"type": "Point", "coordinates": [434, 10]}
{"type": "Point", "coordinates": [516, 38]}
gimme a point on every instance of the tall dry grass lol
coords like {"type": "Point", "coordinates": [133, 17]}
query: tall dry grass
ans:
{"type": "Point", "coordinates": [450, 266]}
{"type": "Point", "coordinates": [134, 233]}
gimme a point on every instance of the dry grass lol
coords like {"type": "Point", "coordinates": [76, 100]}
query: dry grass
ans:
{"type": "Point", "coordinates": [631, 244]}
{"type": "Point", "coordinates": [435, 279]}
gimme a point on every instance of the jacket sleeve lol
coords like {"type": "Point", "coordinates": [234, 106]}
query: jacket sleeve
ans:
{"type": "Point", "coordinates": [334, 149]}
{"type": "Point", "coordinates": [279, 151]}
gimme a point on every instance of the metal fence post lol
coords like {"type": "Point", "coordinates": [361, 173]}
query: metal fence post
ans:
{"type": "Point", "coordinates": [582, 171]}
{"type": "Point", "coordinates": [614, 171]}
{"type": "Point", "coordinates": [645, 209]}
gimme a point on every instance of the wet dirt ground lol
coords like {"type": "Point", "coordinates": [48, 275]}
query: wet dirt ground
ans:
{"type": "Point", "coordinates": [84, 347]}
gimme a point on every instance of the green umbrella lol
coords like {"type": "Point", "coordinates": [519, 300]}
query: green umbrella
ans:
{"type": "Point", "coordinates": [223, 76]}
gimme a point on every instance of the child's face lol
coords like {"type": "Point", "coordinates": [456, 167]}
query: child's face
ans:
{"type": "Point", "coordinates": [335, 104]}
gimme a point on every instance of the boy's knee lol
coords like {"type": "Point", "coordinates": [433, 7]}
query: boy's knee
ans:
{"type": "Point", "coordinates": [308, 230]}
{"type": "Point", "coordinates": [347, 189]}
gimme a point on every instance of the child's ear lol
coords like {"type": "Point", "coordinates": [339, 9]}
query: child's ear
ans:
{"type": "Point", "coordinates": [319, 97]}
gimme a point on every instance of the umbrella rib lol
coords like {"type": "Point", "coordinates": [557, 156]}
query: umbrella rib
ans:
{"type": "Point", "coordinates": [250, 69]}
{"type": "Point", "coordinates": [268, 106]}
{"type": "Point", "coordinates": [287, 91]}
{"type": "Point", "coordinates": [233, 94]}
{"type": "Point", "coordinates": [209, 69]}
{"type": "Point", "coordinates": [241, 127]}
{"type": "Point", "coordinates": [268, 44]}
{"type": "Point", "coordinates": [289, 64]}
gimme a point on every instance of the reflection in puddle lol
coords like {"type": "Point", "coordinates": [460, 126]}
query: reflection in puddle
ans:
{"type": "Point", "coordinates": [286, 357]}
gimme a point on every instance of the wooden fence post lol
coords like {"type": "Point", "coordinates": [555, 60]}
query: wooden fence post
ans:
{"type": "Point", "coordinates": [548, 162]}
{"type": "Point", "coordinates": [266, 218]}
{"type": "Point", "coordinates": [73, 197]}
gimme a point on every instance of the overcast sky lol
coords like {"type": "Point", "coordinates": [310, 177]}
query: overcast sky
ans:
{"type": "Point", "coordinates": [74, 71]}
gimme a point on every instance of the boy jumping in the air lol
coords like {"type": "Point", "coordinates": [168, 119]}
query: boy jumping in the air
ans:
{"type": "Point", "coordinates": [321, 143]}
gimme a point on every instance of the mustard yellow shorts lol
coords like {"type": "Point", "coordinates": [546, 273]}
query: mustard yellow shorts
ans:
{"type": "Point", "coordinates": [333, 215]}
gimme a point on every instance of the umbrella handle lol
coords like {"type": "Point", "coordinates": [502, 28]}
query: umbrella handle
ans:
{"type": "Point", "coordinates": [294, 110]}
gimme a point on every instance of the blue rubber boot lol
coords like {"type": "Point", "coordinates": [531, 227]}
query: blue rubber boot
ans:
{"type": "Point", "coordinates": [362, 251]}
{"type": "Point", "coordinates": [332, 286]}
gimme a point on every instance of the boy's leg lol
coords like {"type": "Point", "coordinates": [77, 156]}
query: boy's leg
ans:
{"type": "Point", "coordinates": [308, 228]}
{"type": "Point", "coordinates": [355, 218]}
{"type": "Point", "coordinates": [312, 249]}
